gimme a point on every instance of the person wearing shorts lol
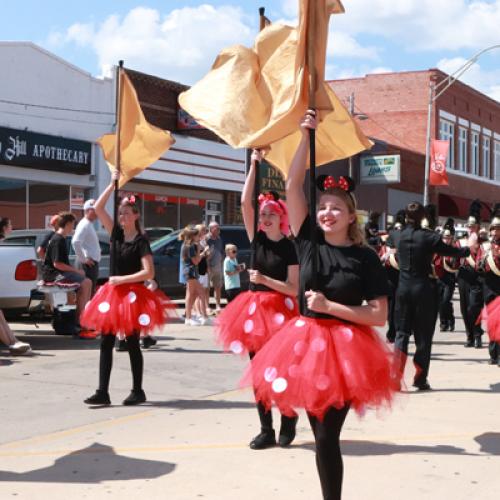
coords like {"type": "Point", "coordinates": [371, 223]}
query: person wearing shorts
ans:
{"type": "Point", "coordinates": [215, 260]}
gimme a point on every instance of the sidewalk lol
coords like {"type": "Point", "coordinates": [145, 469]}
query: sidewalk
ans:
{"type": "Point", "coordinates": [191, 440]}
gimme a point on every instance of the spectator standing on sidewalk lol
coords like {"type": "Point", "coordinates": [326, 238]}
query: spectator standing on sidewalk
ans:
{"type": "Point", "coordinates": [214, 261]}
{"type": "Point", "coordinates": [202, 301]}
{"type": "Point", "coordinates": [86, 244]}
{"type": "Point", "coordinates": [232, 272]}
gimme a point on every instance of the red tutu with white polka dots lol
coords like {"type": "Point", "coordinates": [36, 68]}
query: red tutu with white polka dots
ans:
{"type": "Point", "coordinates": [491, 313]}
{"type": "Point", "coordinates": [317, 364]}
{"type": "Point", "coordinates": [125, 310]}
{"type": "Point", "coordinates": [252, 318]}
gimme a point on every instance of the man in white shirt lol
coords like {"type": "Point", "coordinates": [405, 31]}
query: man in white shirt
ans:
{"type": "Point", "coordinates": [86, 244]}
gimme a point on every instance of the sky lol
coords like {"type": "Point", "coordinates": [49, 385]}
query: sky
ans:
{"type": "Point", "coordinates": [179, 39]}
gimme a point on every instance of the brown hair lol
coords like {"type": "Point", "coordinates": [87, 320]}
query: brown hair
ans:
{"type": "Point", "coordinates": [354, 232]}
{"type": "Point", "coordinates": [64, 218]}
{"type": "Point", "coordinates": [4, 222]}
{"type": "Point", "coordinates": [187, 235]}
{"type": "Point", "coordinates": [135, 210]}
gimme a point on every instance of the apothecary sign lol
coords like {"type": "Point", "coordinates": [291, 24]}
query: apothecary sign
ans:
{"type": "Point", "coordinates": [44, 152]}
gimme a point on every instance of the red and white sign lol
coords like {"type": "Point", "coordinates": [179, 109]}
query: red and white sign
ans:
{"type": "Point", "coordinates": [439, 155]}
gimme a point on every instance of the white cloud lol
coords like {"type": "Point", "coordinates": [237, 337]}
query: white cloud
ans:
{"type": "Point", "coordinates": [475, 76]}
{"type": "Point", "coordinates": [342, 44]}
{"type": "Point", "coordinates": [181, 45]}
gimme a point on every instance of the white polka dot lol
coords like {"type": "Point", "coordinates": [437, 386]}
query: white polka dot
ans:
{"type": "Point", "coordinates": [347, 334]}
{"type": "Point", "coordinates": [236, 346]}
{"type": "Point", "coordinates": [279, 319]}
{"type": "Point", "coordinates": [280, 385]}
{"type": "Point", "coordinates": [318, 344]}
{"type": "Point", "coordinates": [270, 373]}
{"type": "Point", "coordinates": [293, 371]}
{"type": "Point", "coordinates": [104, 307]}
{"type": "Point", "coordinates": [289, 303]}
{"type": "Point", "coordinates": [132, 297]}
{"type": "Point", "coordinates": [300, 347]}
{"type": "Point", "coordinates": [252, 308]}
{"type": "Point", "coordinates": [300, 322]}
{"type": "Point", "coordinates": [144, 319]}
{"type": "Point", "coordinates": [248, 326]}
{"type": "Point", "coordinates": [323, 382]}
{"type": "Point", "coordinates": [347, 368]}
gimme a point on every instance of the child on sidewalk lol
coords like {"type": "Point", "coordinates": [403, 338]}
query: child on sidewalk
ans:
{"type": "Point", "coordinates": [232, 272]}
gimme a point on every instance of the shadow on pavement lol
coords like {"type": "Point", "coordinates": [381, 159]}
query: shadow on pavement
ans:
{"type": "Point", "coordinates": [493, 388]}
{"type": "Point", "coordinates": [372, 448]}
{"type": "Point", "coordinates": [186, 351]}
{"type": "Point", "coordinates": [201, 404]}
{"type": "Point", "coordinates": [489, 442]}
{"type": "Point", "coordinates": [94, 464]}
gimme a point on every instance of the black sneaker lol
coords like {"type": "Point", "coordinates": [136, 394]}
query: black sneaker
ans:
{"type": "Point", "coordinates": [469, 343]}
{"type": "Point", "coordinates": [265, 439]}
{"type": "Point", "coordinates": [424, 386]}
{"type": "Point", "coordinates": [148, 341]}
{"type": "Point", "coordinates": [287, 431]}
{"type": "Point", "coordinates": [135, 398]}
{"type": "Point", "coordinates": [443, 327]}
{"type": "Point", "coordinates": [478, 342]}
{"type": "Point", "coordinates": [122, 346]}
{"type": "Point", "coordinates": [451, 327]}
{"type": "Point", "coordinates": [99, 398]}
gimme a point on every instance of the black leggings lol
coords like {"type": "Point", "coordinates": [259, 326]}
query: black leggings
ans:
{"type": "Point", "coordinates": [328, 455]}
{"type": "Point", "coordinates": [266, 416]}
{"type": "Point", "coordinates": [106, 361]}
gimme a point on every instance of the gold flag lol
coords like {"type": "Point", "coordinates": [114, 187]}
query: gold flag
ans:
{"type": "Point", "coordinates": [255, 97]}
{"type": "Point", "coordinates": [141, 144]}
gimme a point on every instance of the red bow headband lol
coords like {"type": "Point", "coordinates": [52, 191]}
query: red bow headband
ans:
{"type": "Point", "coordinates": [331, 183]}
{"type": "Point", "coordinates": [130, 200]}
{"type": "Point", "coordinates": [265, 197]}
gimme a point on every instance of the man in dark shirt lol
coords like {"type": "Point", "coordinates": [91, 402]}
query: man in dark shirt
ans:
{"type": "Point", "coordinates": [416, 293]}
{"type": "Point", "coordinates": [56, 265]}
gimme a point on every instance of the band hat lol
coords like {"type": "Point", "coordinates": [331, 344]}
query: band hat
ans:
{"type": "Point", "coordinates": [89, 204]}
{"type": "Point", "coordinates": [425, 223]}
{"type": "Point", "coordinates": [472, 221]}
{"type": "Point", "coordinates": [447, 233]}
{"type": "Point", "coordinates": [495, 222]}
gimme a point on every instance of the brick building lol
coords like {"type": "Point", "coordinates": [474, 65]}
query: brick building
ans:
{"type": "Point", "coordinates": [395, 105]}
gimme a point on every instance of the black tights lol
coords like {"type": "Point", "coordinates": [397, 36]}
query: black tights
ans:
{"type": "Point", "coordinates": [328, 455]}
{"type": "Point", "coordinates": [106, 361]}
{"type": "Point", "coordinates": [266, 416]}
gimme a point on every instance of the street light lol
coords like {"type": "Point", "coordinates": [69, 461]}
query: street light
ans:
{"type": "Point", "coordinates": [435, 91]}
{"type": "Point", "coordinates": [359, 116]}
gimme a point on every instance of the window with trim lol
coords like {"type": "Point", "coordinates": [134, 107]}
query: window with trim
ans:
{"type": "Point", "coordinates": [496, 157]}
{"type": "Point", "coordinates": [447, 133]}
{"type": "Point", "coordinates": [462, 148]}
{"type": "Point", "coordinates": [474, 153]}
{"type": "Point", "coordinates": [486, 156]}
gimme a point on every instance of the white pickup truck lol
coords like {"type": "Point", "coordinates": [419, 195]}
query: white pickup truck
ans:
{"type": "Point", "coordinates": [18, 276]}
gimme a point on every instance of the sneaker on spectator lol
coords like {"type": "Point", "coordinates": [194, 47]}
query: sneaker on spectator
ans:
{"type": "Point", "coordinates": [19, 348]}
{"type": "Point", "coordinates": [191, 322]}
{"type": "Point", "coordinates": [205, 322]}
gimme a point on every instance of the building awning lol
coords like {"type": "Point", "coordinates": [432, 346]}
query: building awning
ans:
{"type": "Point", "coordinates": [458, 207]}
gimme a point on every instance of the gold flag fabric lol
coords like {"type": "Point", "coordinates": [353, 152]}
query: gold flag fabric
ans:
{"type": "Point", "coordinates": [141, 144]}
{"type": "Point", "coordinates": [255, 97]}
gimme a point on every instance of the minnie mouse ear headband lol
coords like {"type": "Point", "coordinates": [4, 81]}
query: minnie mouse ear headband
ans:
{"type": "Point", "coordinates": [326, 183]}
{"type": "Point", "coordinates": [129, 200]}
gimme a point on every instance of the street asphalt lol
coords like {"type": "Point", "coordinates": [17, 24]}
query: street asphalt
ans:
{"type": "Point", "coordinates": [190, 440]}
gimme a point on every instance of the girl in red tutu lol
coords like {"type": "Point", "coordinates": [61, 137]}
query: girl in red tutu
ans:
{"type": "Point", "coordinates": [124, 306]}
{"type": "Point", "coordinates": [329, 358]}
{"type": "Point", "coordinates": [251, 319]}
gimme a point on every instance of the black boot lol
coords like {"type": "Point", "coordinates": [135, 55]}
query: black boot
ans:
{"type": "Point", "coordinates": [98, 398]}
{"type": "Point", "coordinates": [469, 343]}
{"type": "Point", "coordinates": [478, 342]}
{"type": "Point", "coordinates": [443, 327]}
{"type": "Point", "coordinates": [266, 439]}
{"type": "Point", "coordinates": [147, 342]}
{"type": "Point", "coordinates": [287, 431]}
{"type": "Point", "coordinates": [451, 326]}
{"type": "Point", "coordinates": [135, 398]}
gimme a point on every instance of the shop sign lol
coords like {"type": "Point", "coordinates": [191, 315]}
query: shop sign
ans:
{"type": "Point", "coordinates": [164, 199]}
{"type": "Point", "coordinates": [44, 152]}
{"type": "Point", "coordinates": [380, 169]}
{"type": "Point", "coordinates": [271, 179]}
{"type": "Point", "coordinates": [77, 199]}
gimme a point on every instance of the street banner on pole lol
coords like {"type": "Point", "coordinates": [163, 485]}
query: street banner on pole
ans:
{"type": "Point", "coordinates": [439, 155]}
{"type": "Point", "coordinates": [141, 144]}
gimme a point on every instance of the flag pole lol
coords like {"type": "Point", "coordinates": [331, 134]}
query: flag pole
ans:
{"type": "Point", "coordinates": [119, 71]}
{"type": "Point", "coordinates": [310, 62]}
{"type": "Point", "coordinates": [256, 185]}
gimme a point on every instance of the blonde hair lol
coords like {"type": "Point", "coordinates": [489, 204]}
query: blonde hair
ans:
{"type": "Point", "coordinates": [187, 235]}
{"type": "Point", "coordinates": [354, 232]}
{"type": "Point", "coordinates": [230, 247]}
{"type": "Point", "coordinates": [202, 228]}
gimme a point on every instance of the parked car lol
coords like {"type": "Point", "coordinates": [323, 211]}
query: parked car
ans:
{"type": "Point", "coordinates": [166, 254]}
{"type": "Point", "coordinates": [18, 277]}
{"type": "Point", "coordinates": [33, 237]}
{"type": "Point", "coordinates": [155, 233]}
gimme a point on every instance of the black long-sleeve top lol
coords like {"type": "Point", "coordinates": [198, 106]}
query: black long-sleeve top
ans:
{"type": "Point", "coordinates": [416, 248]}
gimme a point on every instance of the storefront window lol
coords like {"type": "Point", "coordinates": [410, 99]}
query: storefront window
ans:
{"type": "Point", "coordinates": [13, 202]}
{"type": "Point", "coordinates": [46, 200]}
{"type": "Point", "coordinates": [160, 211]}
{"type": "Point", "coordinates": [191, 214]}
